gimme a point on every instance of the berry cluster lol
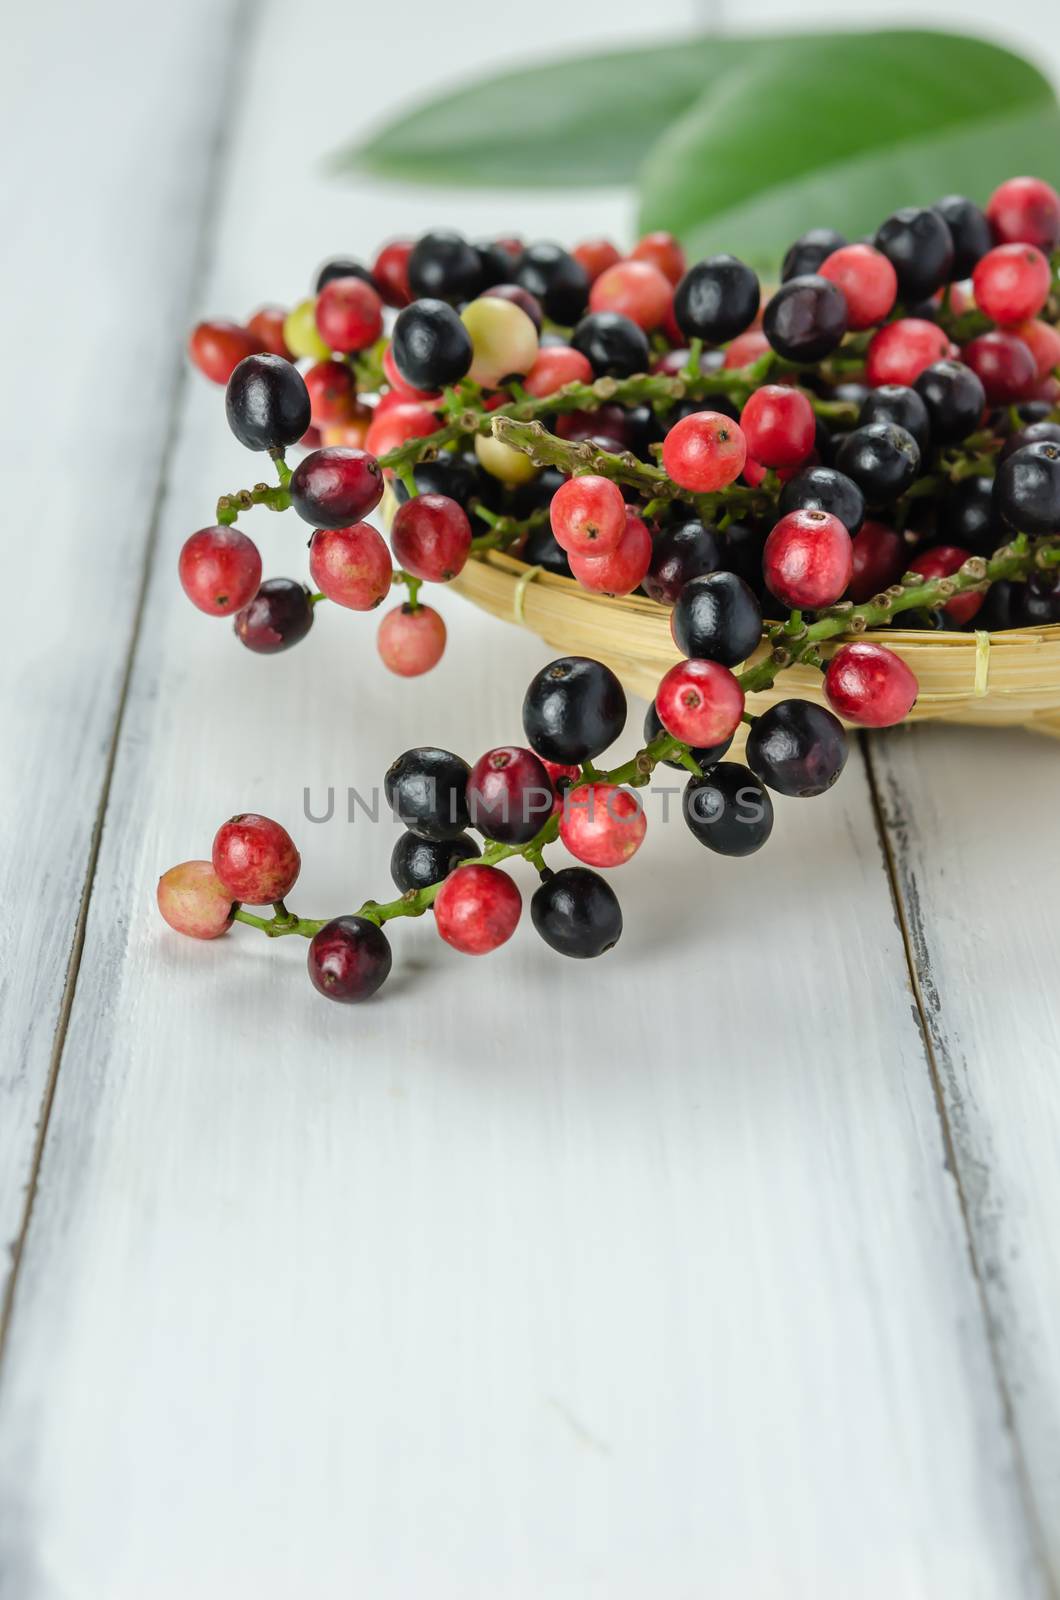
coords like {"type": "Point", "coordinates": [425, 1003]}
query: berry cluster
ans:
{"type": "Point", "coordinates": [878, 438]}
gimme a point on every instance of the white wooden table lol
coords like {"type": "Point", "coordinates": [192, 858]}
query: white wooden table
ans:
{"type": "Point", "coordinates": [729, 1267]}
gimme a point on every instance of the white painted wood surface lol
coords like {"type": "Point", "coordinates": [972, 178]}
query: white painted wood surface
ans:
{"type": "Point", "coordinates": [524, 1280]}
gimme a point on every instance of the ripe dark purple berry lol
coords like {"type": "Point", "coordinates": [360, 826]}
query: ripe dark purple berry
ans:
{"type": "Point", "coordinates": [416, 863]}
{"type": "Point", "coordinates": [917, 242]}
{"type": "Point", "coordinates": [444, 266]}
{"type": "Point", "coordinates": [882, 459]}
{"type": "Point", "coordinates": [717, 618]}
{"type": "Point", "coordinates": [509, 795]}
{"type": "Point", "coordinates": [349, 959]}
{"type": "Point", "coordinates": [728, 809]}
{"type": "Point", "coordinates": [685, 551]}
{"type": "Point", "coordinates": [1027, 489]}
{"type": "Point", "coordinates": [279, 615]}
{"type": "Point", "coordinates": [426, 789]}
{"type": "Point", "coordinates": [897, 402]}
{"type": "Point", "coordinates": [558, 283]}
{"type": "Point", "coordinates": [574, 708]}
{"type": "Point", "coordinates": [809, 251]}
{"type": "Point", "coordinates": [716, 299]}
{"type": "Point", "coordinates": [797, 748]}
{"type": "Point", "coordinates": [267, 403]}
{"type": "Point", "coordinates": [805, 319]}
{"type": "Point", "coordinates": [336, 487]}
{"type": "Point", "coordinates": [955, 400]}
{"type": "Point", "coordinates": [613, 345]}
{"type": "Point", "coordinates": [430, 345]}
{"type": "Point", "coordinates": [577, 913]}
{"type": "Point", "coordinates": [825, 489]}
{"type": "Point", "coordinates": [969, 230]}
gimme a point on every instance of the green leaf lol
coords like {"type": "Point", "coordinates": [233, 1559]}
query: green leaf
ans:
{"type": "Point", "coordinates": [838, 131]}
{"type": "Point", "coordinates": [571, 123]}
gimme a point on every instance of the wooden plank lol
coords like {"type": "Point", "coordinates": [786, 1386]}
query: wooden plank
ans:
{"type": "Point", "coordinates": [970, 823]}
{"type": "Point", "coordinates": [104, 186]}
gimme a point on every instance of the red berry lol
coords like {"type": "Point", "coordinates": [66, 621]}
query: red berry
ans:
{"type": "Point", "coordinates": [477, 909]}
{"type": "Point", "coordinates": [397, 423]}
{"type": "Point", "coordinates": [194, 901]}
{"type": "Point", "coordinates": [1025, 211]}
{"type": "Point", "coordinates": [746, 349]}
{"type": "Point", "coordinates": [390, 269]}
{"type": "Point", "coordinates": [664, 252]}
{"type": "Point", "coordinates": [509, 795]}
{"type": "Point", "coordinates": [401, 389]}
{"type": "Point", "coordinates": [588, 515]}
{"type": "Point", "coordinates": [867, 279]}
{"type": "Point", "coordinates": [704, 452]}
{"type": "Point", "coordinates": [633, 289]}
{"type": "Point", "coordinates": [332, 393]}
{"type": "Point", "coordinates": [596, 255]}
{"type": "Point", "coordinates": [220, 570]}
{"type": "Point", "coordinates": [431, 537]}
{"type": "Point", "coordinates": [218, 347]}
{"type": "Point", "coordinates": [942, 561]}
{"type": "Point", "coordinates": [700, 702]}
{"type": "Point", "coordinates": [779, 426]}
{"type": "Point", "coordinates": [349, 314]}
{"type": "Point", "coordinates": [601, 824]}
{"type": "Point", "coordinates": [352, 566]}
{"type": "Point", "coordinates": [1043, 342]}
{"type": "Point", "coordinates": [899, 352]}
{"type": "Point", "coordinates": [255, 859]}
{"type": "Point", "coordinates": [266, 325]}
{"type": "Point", "coordinates": [335, 488]}
{"type": "Point", "coordinates": [1012, 282]}
{"type": "Point", "coordinates": [556, 365]}
{"type": "Point", "coordinates": [1003, 364]}
{"type": "Point", "coordinates": [279, 615]}
{"type": "Point", "coordinates": [411, 641]}
{"type": "Point", "coordinates": [878, 561]}
{"type": "Point", "coordinates": [349, 959]}
{"type": "Point", "coordinates": [620, 570]}
{"type": "Point", "coordinates": [869, 684]}
{"type": "Point", "coordinates": [808, 559]}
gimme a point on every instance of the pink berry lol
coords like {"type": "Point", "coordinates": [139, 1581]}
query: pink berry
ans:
{"type": "Point", "coordinates": [869, 684]}
{"type": "Point", "coordinates": [477, 909]}
{"type": "Point", "coordinates": [779, 426]}
{"type": "Point", "coordinates": [1003, 364]}
{"type": "Point", "coordinates": [431, 537]}
{"type": "Point", "coordinates": [622, 569]}
{"type": "Point", "coordinates": [942, 561]}
{"type": "Point", "coordinates": [194, 901]}
{"type": "Point", "coordinates": [352, 566]}
{"type": "Point", "coordinates": [266, 326]}
{"type": "Point", "coordinates": [1012, 282]}
{"type": "Point", "coordinates": [899, 352]}
{"type": "Point", "coordinates": [633, 289]}
{"type": "Point", "coordinates": [349, 315]}
{"type": "Point", "coordinates": [397, 424]}
{"type": "Point", "coordinates": [601, 824]}
{"type": "Point", "coordinates": [746, 348]}
{"type": "Point", "coordinates": [509, 795]}
{"type": "Point", "coordinates": [700, 702]}
{"type": "Point", "coordinates": [556, 365]}
{"type": "Point", "coordinates": [255, 859]}
{"type": "Point", "coordinates": [1025, 211]}
{"type": "Point", "coordinates": [588, 515]}
{"type": "Point", "coordinates": [663, 251]}
{"type": "Point", "coordinates": [332, 393]}
{"type": "Point", "coordinates": [867, 279]}
{"type": "Point", "coordinates": [349, 959]}
{"type": "Point", "coordinates": [808, 559]}
{"type": "Point", "coordinates": [1043, 342]}
{"type": "Point", "coordinates": [217, 348]}
{"type": "Point", "coordinates": [596, 255]}
{"type": "Point", "coordinates": [878, 560]}
{"type": "Point", "coordinates": [335, 487]}
{"type": "Point", "coordinates": [704, 452]}
{"type": "Point", "coordinates": [220, 570]}
{"type": "Point", "coordinates": [411, 641]}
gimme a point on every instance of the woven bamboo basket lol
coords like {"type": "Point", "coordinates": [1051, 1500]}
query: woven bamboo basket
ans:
{"type": "Point", "coordinates": [998, 679]}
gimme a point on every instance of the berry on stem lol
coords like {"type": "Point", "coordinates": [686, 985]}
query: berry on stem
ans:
{"type": "Point", "coordinates": [390, 272]}
{"type": "Point", "coordinates": [416, 863]}
{"type": "Point", "coordinates": [1025, 211]}
{"type": "Point", "coordinates": [681, 552]}
{"type": "Point", "coordinates": [633, 289]}
{"type": "Point", "coordinates": [881, 458]}
{"type": "Point", "coordinates": [878, 560]}
{"type": "Point", "coordinates": [664, 252]}
{"type": "Point", "coordinates": [518, 297]}
{"type": "Point", "coordinates": [728, 809]}
{"type": "Point", "coordinates": [509, 795]}
{"type": "Point", "coordinates": [267, 403]}
{"type": "Point", "coordinates": [477, 909]}
{"type": "Point", "coordinates": [612, 344]}
{"type": "Point", "coordinates": [602, 824]}
{"type": "Point", "coordinates": [220, 570]}
{"type": "Point", "coordinates": [969, 230]}
{"type": "Point", "coordinates": [716, 299]}
{"type": "Point", "coordinates": [955, 400]}
{"type": "Point", "coordinates": [217, 347]}
{"type": "Point", "coordinates": [797, 748]}
{"type": "Point", "coordinates": [301, 335]}
{"type": "Point", "coordinates": [717, 618]}
{"type": "Point", "coordinates": [899, 352]}
{"type": "Point", "coordinates": [397, 424]}
{"type": "Point", "coordinates": [919, 245]}
{"type": "Point", "coordinates": [426, 789]}
{"type": "Point", "coordinates": [558, 282]}
{"type": "Point", "coordinates": [896, 402]}
{"type": "Point", "coordinates": [503, 340]}
{"type": "Point", "coordinates": [349, 315]}
{"type": "Point", "coordinates": [349, 959]}
{"type": "Point", "coordinates": [806, 318]}
{"type": "Point", "coordinates": [704, 755]}
{"type": "Point", "coordinates": [577, 913]}
{"type": "Point", "coordinates": [194, 901]}
{"type": "Point", "coordinates": [868, 684]}
{"type": "Point", "coordinates": [555, 366]}
{"type": "Point", "coordinates": [942, 561]}
{"type": "Point", "coordinates": [503, 462]}
{"type": "Point", "coordinates": [621, 570]}
{"type": "Point", "coordinates": [443, 266]}
{"type": "Point", "coordinates": [868, 281]}
{"type": "Point", "coordinates": [255, 859]}
{"type": "Point", "coordinates": [430, 345]}
{"type": "Point", "coordinates": [805, 256]}
{"type": "Point", "coordinates": [351, 566]}
{"type": "Point", "coordinates": [1027, 488]}
{"type": "Point", "coordinates": [573, 709]}
{"type": "Point", "coordinates": [699, 702]}
{"type": "Point", "coordinates": [1004, 365]}
{"type": "Point", "coordinates": [411, 640]}
{"type": "Point", "coordinates": [335, 488]}
{"type": "Point", "coordinates": [1012, 282]}
{"type": "Point", "coordinates": [808, 559]}
{"type": "Point", "coordinates": [704, 452]}
{"type": "Point", "coordinates": [431, 537]}
{"type": "Point", "coordinates": [279, 615]}
{"type": "Point", "coordinates": [588, 515]}
{"type": "Point", "coordinates": [779, 426]}
{"type": "Point", "coordinates": [596, 255]}
{"type": "Point", "coordinates": [332, 394]}
{"type": "Point", "coordinates": [825, 489]}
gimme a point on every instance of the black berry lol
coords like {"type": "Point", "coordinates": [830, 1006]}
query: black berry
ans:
{"type": "Point", "coordinates": [917, 242]}
{"type": "Point", "coordinates": [806, 318]}
{"type": "Point", "coordinates": [703, 756]}
{"type": "Point", "coordinates": [577, 913]}
{"type": "Point", "coordinates": [895, 402]}
{"type": "Point", "coordinates": [1040, 600]}
{"type": "Point", "coordinates": [427, 790]}
{"type": "Point", "coordinates": [797, 748]}
{"type": "Point", "coordinates": [613, 345]}
{"type": "Point", "coordinates": [416, 863]}
{"type": "Point", "coordinates": [969, 230]}
{"type": "Point", "coordinates": [684, 551]}
{"type": "Point", "coordinates": [267, 403]}
{"type": "Point", "coordinates": [717, 618]}
{"type": "Point", "coordinates": [969, 516]}
{"type": "Point", "coordinates": [574, 708]}
{"type": "Point", "coordinates": [444, 266]}
{"type": "Point", "coordinates": [825, 489]}
{"type": "Point", "coordinates": [430, 345]}
{"type": "Point", "coordinates": [1033, 433]}
{"type": "Point", "coordinates": [1028, 489]}
{"type": "Point", "coordinates": [344, 267]}
{"type": "Point", "coordinates": [349, 959]}
{"type": "Point", "coordinates": [554, 278]}
{"type": "Point", "coordinates": [541, 550]}
{"type": "Point", "coordinates": [728, 809]}
{"type": "Point", "coordinates": [808, 252]}
{"type": "Point", "coordinates": [716, 299]}
{"type": "Point", "coordinates": [955, 400]}
{"type": "Point", "coordinates": [882, 459]}
{"type": "Point", "coordinates": [279, 615]}
{"type": "Point", "coordinates": [451, 475]}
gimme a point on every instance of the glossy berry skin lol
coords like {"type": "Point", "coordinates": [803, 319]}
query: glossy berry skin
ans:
{"type": "Point", "coordinates": [969, 230]}
{"type": "Point", "coordinates": [797, 748]}
{"type": "Point", "coordinates": [220, 570]}
{"type": "Point", "coordinates": [279, 615]}
{"type": "Point", "coordinates": [333, 394]}
{"type": "Point", "coordinates": [573, 710]}
{"type": "Point", "coordinates": [596, 255]}
{"type": "Point", "coordinates": [717, 618]}
{"type": "Point", "coordinates": [955, 400]}
{"type": "Point", "coordinates": [969, 516]}
{"type": "Point", "coordinates": [266, 325]}
{"type": "Point", "coordinates": [728, 810]}
{"type": "Point", "coordinates": [706, 755]}
{"type": "Point", "coordinates": [881, 458]}
{"type": "Point", "coordinates": [411, 640]}
{"type": "Point", "coordinates": [337, 487]}
{"type": "Point", "coordinates": [443, 266]}
{"type": "Point", "coordinates": [426, 789]}
{"type": "Point", "coordinates": [779, 426]}
{"type": "Point", "coordinates": [805, 256]}
{"type": "Point", "coordinates": [664, 252]}
{"type": "Point", "coordinates": [349, 959]}
{"type": "Point", "coordinates": [451, 475]}
{"type": "Point", "coordinates": [349, 315]}
{"type": "Point", "coordinates": [431, 537]}
{"type": "Point", "coordinates": [509, 795]}
{"type": "Point", "coordinates": [942, 561]}
{"type": "Point", "coordinates": [1027, 489]}
{"type": "Point", "coordinates": [397, 424]}
{"type": "Point", "coordinates": [878, 561]}
{"type": "Point", "coordinates": [390, 272]}
{"type": "Point", "coordinates": [868, 281]}
{"type": "Point", "coordinates": [1040, 601]}
{"type": "Point", "coordinates": [613, 345]}
{"type": "Point", "coordinates": [558, 282]}
{"type": "Point", "coordinates": [431, 346]}
{"type": "Point", "coordinates": [868, 684]}
{"type": "Point", "coordinates": [919, 245]}
{"type": "Point", "coordinates": [577, 913]}
{"type": "Point", "coordinates": [601, 824]}
{"type": "Point", "coordinates": [1012, 282]}
{"type": "Point", "coordinates": [416, 863]}
{"type": "Point", "coordinates": [699, 702]}
{"type": "Point", "coordinates": [679, 553]}
{"type": "Point", "coordinates": [255, 859]}
{"type": "Point", "coordinates": [503, 340]}
{"type": "Point", "coordinates": [618, 571]}
{"type": "Point", "coordinates": [897, 402]}
{"type": "Point", "coordinates": [217, 347]}
{"type": "Point", "coordinates": [194, 901]}
{"type": "Point", "coordinates": [1025, 211]}
{"type": "Point", "coordinates": [267, 403]}
{"type": "Point", "coordinates": [808, 559]}
{"type": "Point", "coordinates": [824, 489]}
{"type": "Point", "coordinates": [635, 289]}
{"type": "Point", "coordinates": [351, 566]}
{"type": "Point", "coordinates": [588, 515]}
{"type": "Point", "coordinates": [806, 319]}
{"type": "Point", "coordinates": [477, 909]}
{"type": "Point", "coordinates": [556, 365]}
{"type": "Point", "coordinates": [899, 352]}
{"type": "Point", "coordinates": [1003, 364]}
{"type": "Point", "coordinates": [1043, 432]}
{"type": "Point", "coordinates": [704, 452]}
{"type": "Point", "coordinates": [716, 299]}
